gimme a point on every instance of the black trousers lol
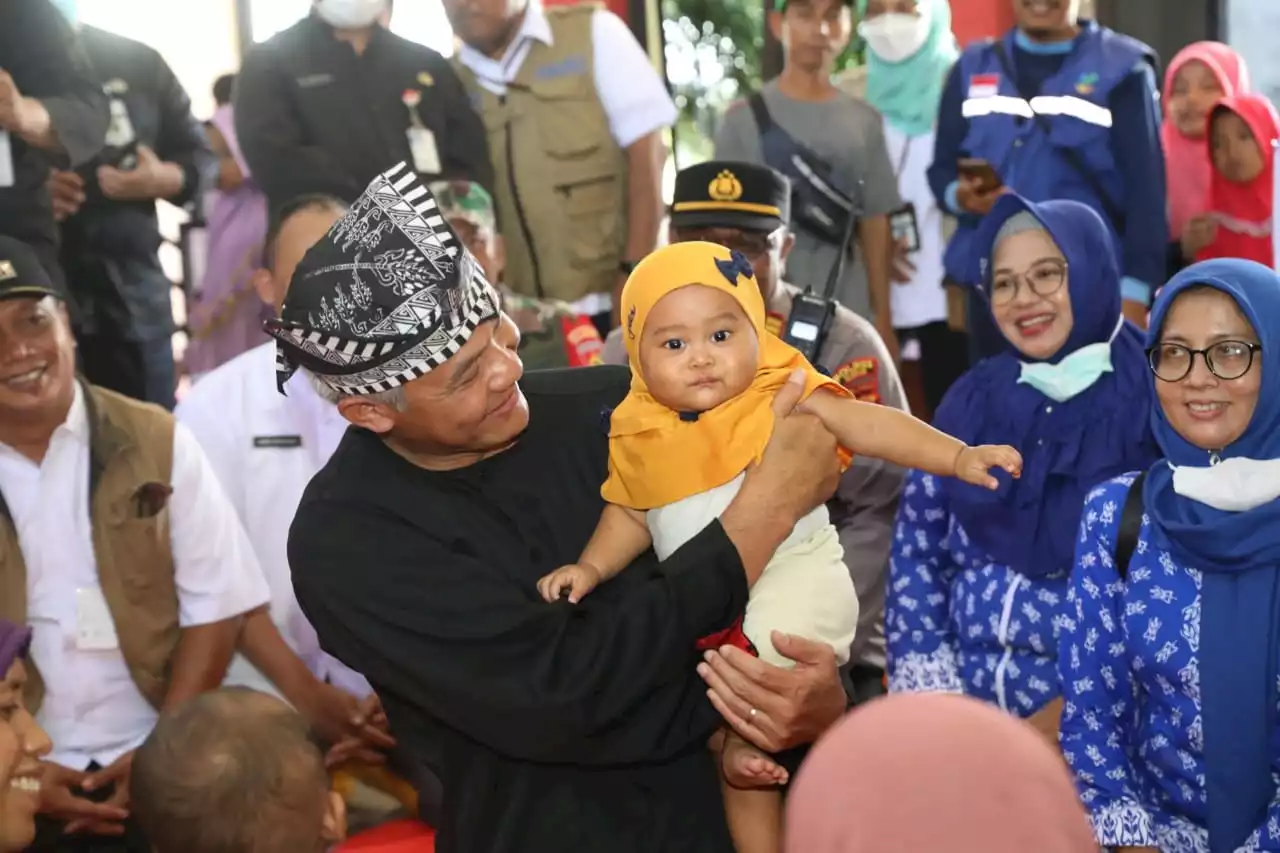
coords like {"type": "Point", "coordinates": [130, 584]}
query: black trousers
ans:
{"type": "Point", "coordinates": [51, 839]}
{"type": "Point", "coordinates": [143, 370]}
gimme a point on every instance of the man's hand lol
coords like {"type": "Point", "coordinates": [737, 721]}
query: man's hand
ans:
{"type": "Point", "coordinates": [26, 117]}
{"type": "Point", "coordinates": [799, 468]}
{"type": "Point", "coordinates": [151, 179]}
{"type": "Point", "coordinates": [974, 199]}
{"type": "Point", "coordinates": [357, 730]}
{"type": "Point", "coordinates": [901, 269]}
{"type": "Point", "coordinates": [775, 708]}
{"type": "Point", "coordinates": [57, 801]}
{"type": "Point", "coordinates": [365, 738]}
{"type": "Point", "coordinates": [67, 191]}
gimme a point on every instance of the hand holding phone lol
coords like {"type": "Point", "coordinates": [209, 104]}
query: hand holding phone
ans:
{"type": "Point", "coordinates": [980, 186]}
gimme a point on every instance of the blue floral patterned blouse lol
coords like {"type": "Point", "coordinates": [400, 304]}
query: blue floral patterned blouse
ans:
{"type": "Point", "coordinates": [957, 622]}
{"type": "Point", "coordinates": [1131, 725]}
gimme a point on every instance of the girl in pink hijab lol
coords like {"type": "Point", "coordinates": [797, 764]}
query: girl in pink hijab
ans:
{"type": "Point", "coordinates": [1199, 75]}
{"type": "Point", "coordinates": [929, 772]}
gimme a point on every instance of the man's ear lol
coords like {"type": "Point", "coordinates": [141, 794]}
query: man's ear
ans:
{"type": "Point", "coordinates": [775, 24]}
{"type": "Point", "coordinates": [264, 285]}
{"type": "Point", "coordinates": [363, 412]}
{"type": "Point", "coordinates": [788, 243]}
{"type": "Point", "coordinates": [334, 829]}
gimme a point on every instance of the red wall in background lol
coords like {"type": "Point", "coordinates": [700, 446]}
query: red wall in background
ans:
{"type": "Point", "coordinates": [618, 7]}
{"type": "Point", "coordinates": [978, 19]}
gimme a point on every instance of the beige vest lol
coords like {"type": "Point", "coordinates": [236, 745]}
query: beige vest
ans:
{"type": "Point", "coordinates": [561, 178]}
{"type": "Point", "coordinates": [130, 447]}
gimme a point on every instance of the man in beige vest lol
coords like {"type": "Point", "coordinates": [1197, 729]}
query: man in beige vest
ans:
{"type": "Point", "coordinates": [119, 549]}
{"type": "Point", "coordinates": [574, 113]}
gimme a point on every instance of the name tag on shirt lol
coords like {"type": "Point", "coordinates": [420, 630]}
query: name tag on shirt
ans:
{"type": "Point", "coordinates": [426, 158]}
{"type": "Point", "coordinates": [905, 227]}
{"type": "Point", "coordinates": [6, 160]}
{"type": "Point", "coordinates": [95, 632]}
{"type": "Point", "coordinates": [276, 441]}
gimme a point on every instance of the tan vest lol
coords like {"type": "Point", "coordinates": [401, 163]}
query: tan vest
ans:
{"type": "Point", "coordinates": [130, 446]}
{"type": "Point", "coordinates": [561, 178]}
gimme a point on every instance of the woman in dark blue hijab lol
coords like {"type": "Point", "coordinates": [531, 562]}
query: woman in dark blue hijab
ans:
{"type": "Point", "coordinates": [978, 579]}
{"type": "Point", "coordinates": [1171, 665]}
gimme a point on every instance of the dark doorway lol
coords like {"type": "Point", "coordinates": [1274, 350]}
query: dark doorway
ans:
{"type": "Point", "coordinates": [1150, 21]}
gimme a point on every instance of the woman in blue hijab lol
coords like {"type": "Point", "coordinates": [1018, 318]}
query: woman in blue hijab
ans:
{"type": "Point", "coordinates": [978, 579]}
{"type": "Point", "coordinates": [1170, 663]}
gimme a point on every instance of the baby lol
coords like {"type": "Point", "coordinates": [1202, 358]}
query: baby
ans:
{"type": "Point", "coordinates": [704, 375]}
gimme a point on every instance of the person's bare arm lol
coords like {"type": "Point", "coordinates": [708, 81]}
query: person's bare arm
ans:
{"type": "Point", "coordinates": [895, 436]}
{"type": "Point", "coordinates": [201, 659]}
{"type": "Point", "coordinates": [620, 537]}
{"type": "Point", "coordinates": [645, 157]}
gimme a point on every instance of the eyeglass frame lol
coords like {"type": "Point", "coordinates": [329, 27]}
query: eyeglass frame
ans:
{"type": "Point", "coordinates": [1254, 349]}
{"type": "Point", "coordinates": [1020, 277]}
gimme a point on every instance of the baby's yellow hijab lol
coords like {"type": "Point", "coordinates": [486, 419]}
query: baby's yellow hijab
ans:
{"type": "Point", "coordinates": [655, 456]}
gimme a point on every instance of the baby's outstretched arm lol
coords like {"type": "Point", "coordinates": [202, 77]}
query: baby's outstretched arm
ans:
{"type": "Point", "coordinates": [893, 435]}
{"type": "Point", "coordinates": [620, 537]}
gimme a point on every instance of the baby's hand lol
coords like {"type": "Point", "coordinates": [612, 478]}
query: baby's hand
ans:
{"type": "Point", "coordinates": [744, 766]}
{"type": "Point", "coordinates": [578, 578]}
{"type": "Point", "coordinates": [973, 463]}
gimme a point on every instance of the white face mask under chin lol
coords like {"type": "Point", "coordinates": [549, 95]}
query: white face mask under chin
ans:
{"type": "Point", "coordinates": [896, 37]}
{"type": "Point", "coordinates": [350, 14]}
{"type": "Point", "coordinates": [1233, 485]}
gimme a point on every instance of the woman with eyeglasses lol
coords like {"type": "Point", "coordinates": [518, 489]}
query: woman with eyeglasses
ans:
{"type": "Point", "coordinates": [1170, 656]}
{"type": "Point", "coordinates": [978, 579]}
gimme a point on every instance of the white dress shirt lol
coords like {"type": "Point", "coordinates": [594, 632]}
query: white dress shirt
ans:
{"type": "Point", "coordinates": [92, 709]}
{"type": "Point", "coordinates": [265, 448]}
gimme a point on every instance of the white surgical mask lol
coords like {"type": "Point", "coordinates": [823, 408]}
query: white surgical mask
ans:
{"type": "Point", "coordinates": [896, 37]}
{"type": "Point", "coordinates": [350, 14]}
{"type": "Point", "coordinates": [1074, 374]}
{"type": "Point", "coordinates": [1233, 485]}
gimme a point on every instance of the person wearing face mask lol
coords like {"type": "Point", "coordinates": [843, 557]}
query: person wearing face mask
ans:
{"type": "Point", "coordinates": [910, 50]}
{"type": "Point", "coordinates": [978, 579]}
{"type": "Point", "coordinates": [327, 104]}
{"type": "Point", "coordinates": [1060, 107]}
{"type": "Point", "coordinates": [1170, 647]}
{"type": "Point", "coordinates": [22, 745]}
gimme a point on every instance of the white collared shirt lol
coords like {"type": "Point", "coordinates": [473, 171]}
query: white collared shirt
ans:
{"type": "Point", "coordinates": [265, 448]}
{"type": "Point", "coordinates": [92, 709]}
{"type": "Point", "coordinates": [634, 97]}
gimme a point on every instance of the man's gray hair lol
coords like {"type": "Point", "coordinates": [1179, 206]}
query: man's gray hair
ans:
{"type": "Point", "coordinates": [394, 398]}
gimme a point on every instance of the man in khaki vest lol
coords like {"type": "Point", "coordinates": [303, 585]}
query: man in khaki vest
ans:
{"type": "Point", "coordinates": [119, 549]}
{"type": "Point", "coordinates": [574, 113]}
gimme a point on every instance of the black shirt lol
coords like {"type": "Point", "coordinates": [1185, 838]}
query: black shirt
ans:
{"type": "Point", "coordinates": [39, 50]}
{"type": "Point", "coordinates": [110, 247]}
{"type": "Point", "coordinates": [552, 727]}
{"type": "Point", "coordinates": [313, 116]}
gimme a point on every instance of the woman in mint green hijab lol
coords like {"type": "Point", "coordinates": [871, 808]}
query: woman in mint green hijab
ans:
{"type": "Point", "coordinates": [910, 51]}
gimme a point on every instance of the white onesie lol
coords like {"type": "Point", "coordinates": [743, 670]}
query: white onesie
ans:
{"type": "Point", "coordinates": [806, 588]}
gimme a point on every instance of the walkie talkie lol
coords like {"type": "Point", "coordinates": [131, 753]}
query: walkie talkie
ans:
{"type": "Point", "coordinates": [811, 315]}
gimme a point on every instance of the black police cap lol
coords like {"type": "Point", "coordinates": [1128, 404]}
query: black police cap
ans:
{"type": "Point", "coordinates": [22, 274]}
{"type": "Point", "coordinates": [729, 194]}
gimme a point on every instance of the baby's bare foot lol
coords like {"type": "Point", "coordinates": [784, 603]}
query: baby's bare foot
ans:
{"type": "Point", "coordinates": [744, 766]}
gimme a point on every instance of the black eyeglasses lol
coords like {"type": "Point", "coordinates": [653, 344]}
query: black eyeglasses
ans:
{"type": "Point", "coordinates": [1226, 360]}
{"type": "Point", "coordinates": [1045, 278]}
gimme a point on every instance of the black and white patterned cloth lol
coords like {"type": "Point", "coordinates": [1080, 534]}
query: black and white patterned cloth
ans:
{"type": "Point", "coordinates": [386, 296]}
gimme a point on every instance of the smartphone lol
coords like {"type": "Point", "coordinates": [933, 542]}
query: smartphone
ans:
{"type": "Point", "coordinates": [983, 172]}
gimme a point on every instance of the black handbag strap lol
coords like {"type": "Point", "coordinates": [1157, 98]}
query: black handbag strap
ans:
{"type": "Point", "coordinates": [764, 119]}
{"type": "Point", "coordinates": [1073, 159]}
{"type": "Point", "coordinates": [1130, 526]}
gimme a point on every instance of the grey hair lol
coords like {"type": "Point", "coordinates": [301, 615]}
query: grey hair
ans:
{"type": "Point", "coordinates": [1020, 222]}
{"type": "Point", "coordinates": [393, 398]}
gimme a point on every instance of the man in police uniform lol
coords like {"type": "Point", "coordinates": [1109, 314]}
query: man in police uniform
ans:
{"type": "Point", "coordinates": [552, 334]}
{"type": "Point", "coordinates": [746, 207]}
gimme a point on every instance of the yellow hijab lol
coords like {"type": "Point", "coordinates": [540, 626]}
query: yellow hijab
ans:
{"type": "Point", "coordinates": [657, 458]}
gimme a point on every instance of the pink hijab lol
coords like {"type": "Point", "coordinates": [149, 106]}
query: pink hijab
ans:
{"type": "Point", "coordinates": [1187, 165]}
{"type": "Point", "coordinates": [920, 773]}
